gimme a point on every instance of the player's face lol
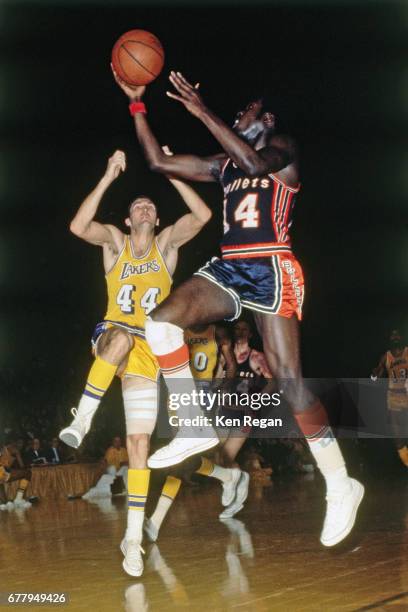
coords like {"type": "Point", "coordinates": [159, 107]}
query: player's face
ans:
{"type": "Point", "coordinates": [117, 443]}
{"type": "Point", "coordinates": [242, 331]}
{"type": "Point", "coordinates": [395, 338]}
{"type": "Point", "coordinates": [252, 122]}
{"type": "Point", "coordinates": [142, 211]}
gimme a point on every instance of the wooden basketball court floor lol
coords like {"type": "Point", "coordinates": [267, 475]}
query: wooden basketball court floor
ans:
{"type": "Point", "coordinates": [268, 558]}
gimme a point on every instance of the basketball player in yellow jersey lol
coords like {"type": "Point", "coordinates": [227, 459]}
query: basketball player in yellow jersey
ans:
{"type": "Point", "coordinates": [203, 350]}
{"type": "Point", "coordinates": [394, 363]}
{"type": "Point", "coordinates": [138, 271]}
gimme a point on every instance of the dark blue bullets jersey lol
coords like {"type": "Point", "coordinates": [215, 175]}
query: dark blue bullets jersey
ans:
{"type": "Point", "coordinates": [257, 214]}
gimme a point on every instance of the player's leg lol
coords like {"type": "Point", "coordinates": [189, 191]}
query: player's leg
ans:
{"type": "Point", "coordinates": [282, 349]}
{"type": "Point", "coordinates": [23, 475]}
{"type": "Point", "coordinates": [197, 301]}
{"type": "Point", "coordinates": [140, 403]}
{"type": "Point", "coordinates": [236, 490]}
{"type": "Point", "coordinates": [398, 425]}
{"type": "Point", "coordinates": [168, 494]}
{"type": "Point", "coordinates": [112, 348]}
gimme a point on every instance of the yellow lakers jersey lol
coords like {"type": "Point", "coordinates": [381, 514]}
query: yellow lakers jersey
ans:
{"type": "Point", "coordinates": [136, 285]}
{"type": "Point", "coordinates": [397, 368]}
{"type": "Point", "coordinates": [203, 352]}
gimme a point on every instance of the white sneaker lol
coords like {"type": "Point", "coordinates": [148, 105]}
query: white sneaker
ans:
{"type": "Point", "coordinates": [22, 503]}
{"type": "Point", "coordinates": [240, 497]}
{"type": "Point", "coordinates": [76, 432]}
{"type": "Point", "coordinates": [133, 562]}
{"type": "Point", "coordinates": [150, 529]}
{"type": "Point", "coordinates": [229, 488]}
{"type": "Point", "coordinates": [179, 449]}
{"type": "Point", "coordinates": [3, 506]}
{"type": "Point", "coordinates": [341, 514]}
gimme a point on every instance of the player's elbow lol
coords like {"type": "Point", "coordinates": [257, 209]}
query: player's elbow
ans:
{"type": "Point", "coordinates": [255, 169]}
{"type": "Point", "coordinates": [155, 165]}
{"type": "Point", "coordinates": [206, 216]}
{"type": "Point", "coordinates": [76, 228]}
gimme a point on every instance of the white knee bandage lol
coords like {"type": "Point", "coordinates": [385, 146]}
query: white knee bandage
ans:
{"type": "Point", "coordinates": [162, 337]}
{"type": "Point", "coordinates": [140, 410]}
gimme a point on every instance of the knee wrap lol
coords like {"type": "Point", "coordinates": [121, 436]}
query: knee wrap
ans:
{"type": "Point", "coordinates": [163, 337]}
{"type": "Point", "coordinates": [140, 410]}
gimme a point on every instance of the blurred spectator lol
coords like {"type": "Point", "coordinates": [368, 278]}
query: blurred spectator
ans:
{"type": "Point", "coordinates": [35, 454]}
{"type": "Point", "coordinates": [55, 453]}
{"type": "Point", "coordinates": [116, 464]}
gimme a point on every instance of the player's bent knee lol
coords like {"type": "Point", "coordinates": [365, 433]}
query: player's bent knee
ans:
{"type": "Point", "coordinates": [115, 340]}
{"type": "Point", "coordinates": [163, 337]}
{"type": "Point", "coordinates": [140, 410]}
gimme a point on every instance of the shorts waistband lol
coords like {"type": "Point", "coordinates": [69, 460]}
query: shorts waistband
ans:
{"type": "Point", "coordinates": [264, 249]}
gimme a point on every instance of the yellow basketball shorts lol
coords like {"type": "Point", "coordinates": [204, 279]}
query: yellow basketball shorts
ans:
{"type": "Point", "coordinates": [141, 361]}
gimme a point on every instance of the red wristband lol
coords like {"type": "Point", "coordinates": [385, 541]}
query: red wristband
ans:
{"type": "Point", "coordinates": [137, 107]}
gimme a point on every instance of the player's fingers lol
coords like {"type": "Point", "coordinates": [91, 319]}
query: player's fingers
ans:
{"type": "Point", "coordinates": [179, 85]}
{"type": "Point", "coordinates": [172, 95]}
{"type": "Point", "coordinates": [197, 85]}
{"type": "Point", "coordinates": [184, 80]}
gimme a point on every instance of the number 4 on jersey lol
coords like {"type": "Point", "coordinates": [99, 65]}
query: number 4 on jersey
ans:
{"type": "Point", "coordinates": [246, 211]}
{"type": "Point", "coordinates": [126, 302]}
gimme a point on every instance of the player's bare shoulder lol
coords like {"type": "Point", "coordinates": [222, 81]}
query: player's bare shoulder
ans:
{"type": "Point", "coordinates": [289, 148]}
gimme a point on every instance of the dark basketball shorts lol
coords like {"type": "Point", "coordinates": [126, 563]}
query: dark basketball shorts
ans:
{"type": "Point", "coordinates": [271, 285]}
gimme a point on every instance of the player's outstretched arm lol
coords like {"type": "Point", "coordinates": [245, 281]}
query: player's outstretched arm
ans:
{"type": "Point", "coordinates": [279, 153]}
{"type": "Point", "coordinates": [83, 224]}
{"type": "Point", "coordinates": [190, 167]}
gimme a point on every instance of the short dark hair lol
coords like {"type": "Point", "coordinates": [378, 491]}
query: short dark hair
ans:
{"type": "Point", "coordinates": [141, 197]}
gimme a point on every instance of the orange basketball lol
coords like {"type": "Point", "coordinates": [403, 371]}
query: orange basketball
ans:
{"type": "Point", "coordinates": [138, 57]}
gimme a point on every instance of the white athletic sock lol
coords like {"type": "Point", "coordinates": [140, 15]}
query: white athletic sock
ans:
{"type": "Point", "coordinates": [135, 525]}
{"type": "Point", "coordinates": [330, 462]}
{"type": "Point", "coordinates": [19, 496]}
{"type": "Point", "coordinates": [223, 474]}
{"type": "Point", "coordinates": [87, 405]}
{"type": "Point", "coordinates": [162, 508]}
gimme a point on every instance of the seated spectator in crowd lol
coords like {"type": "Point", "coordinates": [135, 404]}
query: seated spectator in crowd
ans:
{"type": "Point", "coordinates": [55, 453]}
{"type": "Point", "coordinates": [116, 464]}
{"type": "Point", "coordinates": [8, 473]}
{"type": "Point", "coordinates": [58, 452]}
{"type": "Point", "coordinates": [35, 454]}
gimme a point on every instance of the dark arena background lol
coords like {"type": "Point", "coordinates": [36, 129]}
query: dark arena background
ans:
{"type": "Point", "coordinates": [335, 74]}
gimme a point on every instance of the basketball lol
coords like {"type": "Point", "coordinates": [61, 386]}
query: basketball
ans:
{"type": "Point", "coordinates": [138, 57]}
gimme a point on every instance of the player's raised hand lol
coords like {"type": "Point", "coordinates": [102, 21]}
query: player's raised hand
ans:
{"type": "Point", "coordinates": [116, 165]}
{"type": "Point", "coordinates": [188, 94]}
{"type": "Point", "coordinates": [133, 92]}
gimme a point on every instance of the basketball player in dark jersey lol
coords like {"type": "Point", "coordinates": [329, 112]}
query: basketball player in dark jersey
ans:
{"type": "Point", "coordinates": [258, 171]}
